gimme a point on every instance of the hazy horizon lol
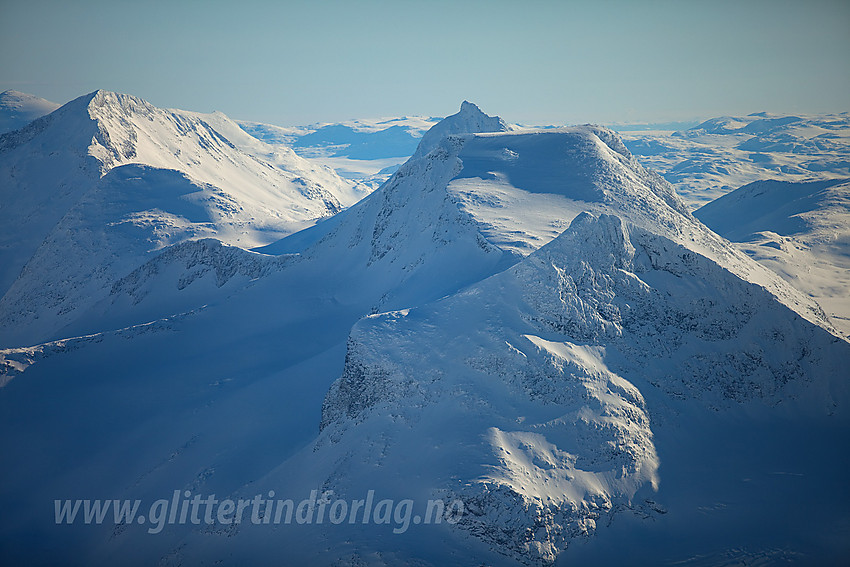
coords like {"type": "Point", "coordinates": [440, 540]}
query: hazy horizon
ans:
{"type": "Point", "coordinates": [299, 63]}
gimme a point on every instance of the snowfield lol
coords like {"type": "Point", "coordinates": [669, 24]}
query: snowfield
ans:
{"type": "Point", "coordinates": [799, 230]}
{"type": "Point", "coordinates": [725, 153]}
{"type": "Point", "coordinates": [525, 323]}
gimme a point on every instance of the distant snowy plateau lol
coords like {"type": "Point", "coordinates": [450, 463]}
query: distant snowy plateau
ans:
{"type": "Point", "coordinates": [607, 349]}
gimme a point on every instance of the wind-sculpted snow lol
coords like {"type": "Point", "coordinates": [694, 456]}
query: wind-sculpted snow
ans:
{"type": "Point", "coordinates": [529, 380]}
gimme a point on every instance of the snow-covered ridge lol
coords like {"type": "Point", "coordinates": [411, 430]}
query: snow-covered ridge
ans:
{"type": "Point", "coordinates": [94, 189]}
{"type": "Point", "coordinates": [15, 361]}
{"type": "Point", "coordinates": [195, 259]}
{"type": "Point", "coordinates": [180, 278]}
{"type": "Point", "coordinates": [513, 192]}
{"type": "Point", "coordinates": [546, 363]}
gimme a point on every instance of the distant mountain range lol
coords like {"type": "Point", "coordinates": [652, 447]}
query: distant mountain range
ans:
{"type": "Point", "coordinates": [368, 151]}
{"type": "Point", "coordinates": [722, 154]}
{"type": "Point", "coordinates": [703, 160]}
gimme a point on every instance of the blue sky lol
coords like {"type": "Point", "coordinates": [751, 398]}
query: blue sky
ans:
{"type": "Point", "coordinates": [534, 62]}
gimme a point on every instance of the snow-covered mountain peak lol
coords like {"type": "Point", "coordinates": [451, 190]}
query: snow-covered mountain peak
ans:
{"type": "Point", "coordinates": [118, 129]}
{"type": "Point", "coordinates": [602, 240]}
{"type": "Point", "coordinates": [479, 202]}
{"type": "Point", "coordinates": [103, 97]}
{"type": "Point", "coordinates": [131, 130]}
{"type": "Point", "coordinates": [554, 174]}
{"type": "Point", "coordinates": [90, 191]}
{"type": "Point", "coordinates": [470, 119]}
{"type": "Point", "coordinates": [24, 102]}
{"type": "Point", "coordinates": [550, 338]}
{"type": "Point", "coordinates": [11, 97]}
{"type": "Point", "coordinates": [575, 340]}
{"type": "Point", "coordinates": [18, 109]}
{"type": "Point", "coordinates": [471, 109]}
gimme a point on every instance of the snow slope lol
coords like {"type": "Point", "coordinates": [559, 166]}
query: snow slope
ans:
{"type": "Point", "coordinates": [90, 191]}
{"type": "Point", "coordinates": [479, 202]}
{"type": "Point", "coordinates": [799, 230]}
{"type": "Point", "coordinates": [18, 109]}
{"type": "Point", "coordinates": [725, 153]}
{"type": "Point", "coordinates": [552, 337]}
{"type": "Point", "coordinates": [520, 392]}
{"type": "Point", "coordinates": [554, 345]}
{"type": "Point", "coordinates": [479, 395]}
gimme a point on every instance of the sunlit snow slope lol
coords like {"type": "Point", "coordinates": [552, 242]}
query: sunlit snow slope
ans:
{"type": "Point", "coordinates": [92, 190]}
{"type": "Point", "coordinates": [541, 363]}
{"type": "Point", "coordinates": [528, 321]}
{"type": "Point", "coordinates": [799, 230]}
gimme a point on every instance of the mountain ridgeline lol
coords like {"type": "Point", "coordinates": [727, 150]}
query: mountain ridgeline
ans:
{"type": "Point", "coordinates": [527, 322]}
{"type": "Point", "coordinates": [99, 186]}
